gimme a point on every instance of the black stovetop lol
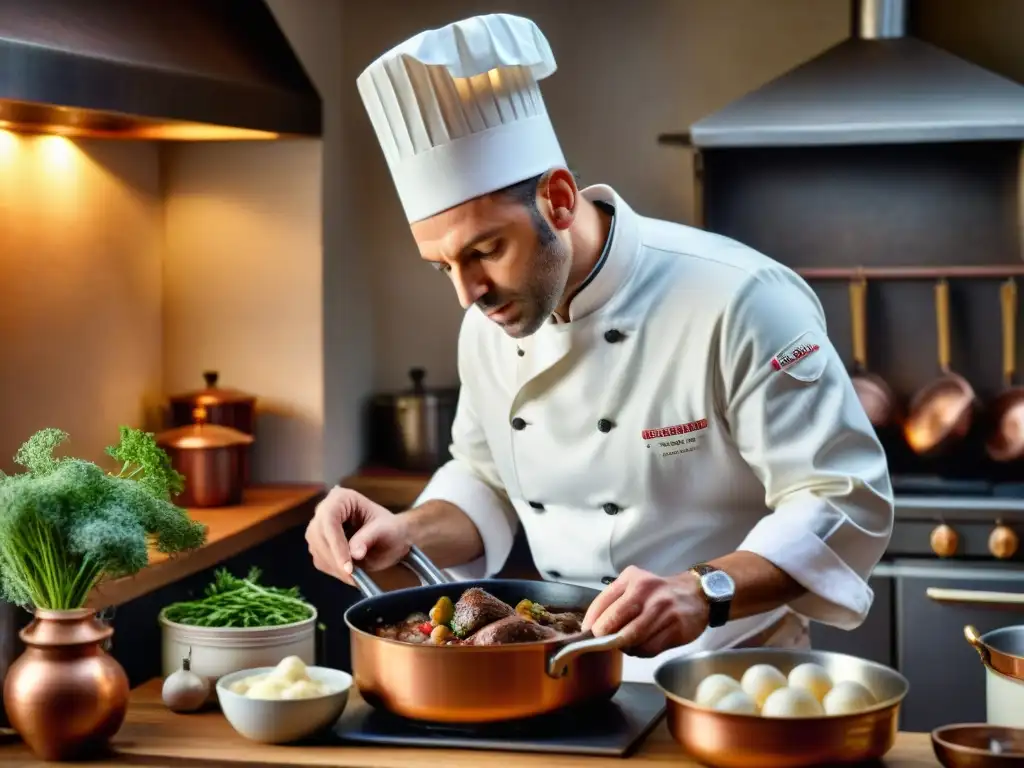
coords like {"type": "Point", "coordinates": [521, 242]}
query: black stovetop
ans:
{"type": "Point", "coordinates": [613, 728]}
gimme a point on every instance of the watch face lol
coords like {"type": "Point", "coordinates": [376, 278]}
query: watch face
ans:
{"type": "Point", "coordinates": [718, 585]}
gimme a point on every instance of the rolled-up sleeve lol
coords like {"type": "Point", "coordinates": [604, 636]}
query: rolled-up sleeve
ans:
{"type": "Point", "coordinates": [470, 481]}
{"type": "Point", "coordinates": [797, 421]}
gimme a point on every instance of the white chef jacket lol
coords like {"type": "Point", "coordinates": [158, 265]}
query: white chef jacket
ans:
{"type": "Point", "coordinates": [692, 406]}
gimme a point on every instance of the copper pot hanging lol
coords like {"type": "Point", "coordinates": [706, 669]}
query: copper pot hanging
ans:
{"type": "Point", "coordinates": [1006, 441]}
{"type": "Point", "coordinates": [942, 412]}
{"type": "Point", "coordinates": [875, 395]}
{"type": "Point", "coordinates": [211, 458]}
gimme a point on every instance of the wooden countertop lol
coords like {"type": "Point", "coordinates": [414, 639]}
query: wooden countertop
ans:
{"type": "Point", "coordinates": [152, 735]}
{"type": "Point", "coordinates": [265, 512]}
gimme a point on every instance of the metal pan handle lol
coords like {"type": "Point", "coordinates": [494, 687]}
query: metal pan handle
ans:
{"type": "Point", "coordinates": [415, 561]}
{"type": "Point", "coordinates": [558, 661]}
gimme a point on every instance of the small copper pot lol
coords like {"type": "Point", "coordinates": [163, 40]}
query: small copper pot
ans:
{"type": "Point", "coordinates": [211, 458]}
{"type": "Point", "coordinates": [224, 407]}
{"type": "Point", "coordinates": [65, 695]}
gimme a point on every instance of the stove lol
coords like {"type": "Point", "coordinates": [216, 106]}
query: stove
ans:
{"type": "Point", "coordinates": [611, 728]}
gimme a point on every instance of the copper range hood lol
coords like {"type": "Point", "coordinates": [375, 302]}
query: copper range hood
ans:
{"type": "Point", "coordinates": [152, 69]}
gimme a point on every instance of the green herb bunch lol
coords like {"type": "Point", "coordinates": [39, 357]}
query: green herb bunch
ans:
{"type": "Point", "coordinates": [66, 523]}
{"type": "Point", "coordinates": [229, 601]}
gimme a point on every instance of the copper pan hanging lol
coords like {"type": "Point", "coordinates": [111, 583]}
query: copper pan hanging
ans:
{"type": "Point", "coordinates": [875, 395]}
{"type": "Point", "coordinates": [941, 413]}
{"type": "Point", "coordinates": [1006, 440]}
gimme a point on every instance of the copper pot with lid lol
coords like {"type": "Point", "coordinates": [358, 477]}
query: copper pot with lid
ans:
{"type": "Point", "coordinates": [212, 459]}
{"type": "Point", "coordinates": [223, 406]}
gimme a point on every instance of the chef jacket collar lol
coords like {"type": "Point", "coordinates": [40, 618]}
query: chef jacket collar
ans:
{"type": "Point", "coordinates": [615, 263]}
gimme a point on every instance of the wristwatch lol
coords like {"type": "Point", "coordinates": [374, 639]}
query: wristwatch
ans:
{"type": "Point", "coordinates": [719, 590]}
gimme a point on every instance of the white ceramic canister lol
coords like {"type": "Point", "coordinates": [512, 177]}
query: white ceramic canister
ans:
{"type": "Point", "coordinates": [1002, 653]}
{"type": "Point", "coordinates": [218, 651]}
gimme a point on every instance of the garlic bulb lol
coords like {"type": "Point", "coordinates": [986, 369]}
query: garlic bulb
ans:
{"type": "Point", "coordinates": [184, 690]}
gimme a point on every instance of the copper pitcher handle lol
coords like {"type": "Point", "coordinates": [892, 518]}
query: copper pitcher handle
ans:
{"type": "Point", "coordinates": [576, 645]}
{"type": "Point", "coordinates": [415, 561]}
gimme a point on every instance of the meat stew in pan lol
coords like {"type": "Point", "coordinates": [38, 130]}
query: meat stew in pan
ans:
{"type": "Point", "coordinates": [480, 618]}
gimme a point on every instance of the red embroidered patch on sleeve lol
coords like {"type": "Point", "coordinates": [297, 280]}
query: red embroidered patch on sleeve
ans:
{"type": "Point", "coordinates": [795, 353]}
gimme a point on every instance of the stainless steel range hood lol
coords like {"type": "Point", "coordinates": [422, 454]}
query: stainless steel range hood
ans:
{"type": "Point", "coordinates": [151, 69]}
{"type": "Point", "coordinates": [878, 87]}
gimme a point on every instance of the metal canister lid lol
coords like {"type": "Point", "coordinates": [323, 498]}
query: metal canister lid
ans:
{"type": "Point", "coordinates": [200, 435]}
{"type": "Point", "coordinates": [211, 394]}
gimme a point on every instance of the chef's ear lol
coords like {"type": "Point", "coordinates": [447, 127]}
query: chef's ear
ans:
{"type": "Point", "coordinates": [559, 194]}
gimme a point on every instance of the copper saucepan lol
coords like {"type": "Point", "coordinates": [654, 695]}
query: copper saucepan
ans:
{"type": "Point", "coordinates": [942, 412]}
{"type": "Point", "coordinates": [875, 395]}
{"type": "Point", "coordinates": [475, 684]}
{"type": "Point", "coordinates": [1001, 650]}
{"type": "Point", "coordinates": [1006, 442]}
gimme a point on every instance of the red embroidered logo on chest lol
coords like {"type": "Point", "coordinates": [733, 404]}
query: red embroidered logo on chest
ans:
{"type": "Point", "coordinates": [792, 355]}
{"type": "Point", "coordinates": [678, 429]}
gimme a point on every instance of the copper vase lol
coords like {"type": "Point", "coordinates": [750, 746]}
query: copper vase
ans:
{"type": "Point", "coordinates": [65, 695]}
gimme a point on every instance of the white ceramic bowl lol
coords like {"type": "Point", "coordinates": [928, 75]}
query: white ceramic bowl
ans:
{"type": "Point", "coordinates": [279, 721]}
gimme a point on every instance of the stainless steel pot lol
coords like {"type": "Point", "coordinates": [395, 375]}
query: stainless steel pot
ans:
{"type": "Point", "coordinates": [412, 430]}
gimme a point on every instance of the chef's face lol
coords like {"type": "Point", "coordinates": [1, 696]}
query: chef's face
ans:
{"type": "Point", "coordinates": [509, 253]}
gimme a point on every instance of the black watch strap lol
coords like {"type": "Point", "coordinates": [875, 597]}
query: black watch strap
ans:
{"type": "Point", "coordinates": [718, 607]}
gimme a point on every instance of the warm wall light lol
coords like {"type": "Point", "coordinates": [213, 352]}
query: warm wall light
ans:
{"type": "Point", "coordinates": [8, 146]}
{"type": "Point", "coordinates": [57, 153]}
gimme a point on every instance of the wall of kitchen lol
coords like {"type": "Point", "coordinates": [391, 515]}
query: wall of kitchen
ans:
{"type": "Point", "coordinates": [81, 238]}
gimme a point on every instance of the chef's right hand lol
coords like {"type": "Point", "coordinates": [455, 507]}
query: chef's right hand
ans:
{"type": "Point", "coordinates": [379, 540]}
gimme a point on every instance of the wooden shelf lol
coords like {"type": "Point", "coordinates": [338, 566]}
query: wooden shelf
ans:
{"type": "Point", "coordinates": [266, 511]}
{"type": "Point", "coordinates": [390, 488]}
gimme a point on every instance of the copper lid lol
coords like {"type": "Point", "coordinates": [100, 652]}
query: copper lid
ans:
{"type": "Point", "coordinates": [201, 435]}
{"type": "Point", "coordinates": [212, 394]}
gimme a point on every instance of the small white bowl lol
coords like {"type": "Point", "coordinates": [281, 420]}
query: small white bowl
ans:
{"type": "Point", "coordinates": [279, 721]}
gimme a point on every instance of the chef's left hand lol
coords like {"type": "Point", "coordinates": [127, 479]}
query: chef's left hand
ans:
{"type": "Point", "coordinates": [654, 613]}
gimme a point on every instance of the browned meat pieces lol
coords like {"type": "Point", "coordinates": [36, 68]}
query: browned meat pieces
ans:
{"type": "Point", "coordinates": [475, 609]}
{"type": "Point", "coordinates": [511, 629]}
{"type": "Point", "coordinates": [566, 623]}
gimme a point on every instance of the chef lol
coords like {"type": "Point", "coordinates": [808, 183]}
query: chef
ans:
{"type": "Point", "coordinates": [660, 408]}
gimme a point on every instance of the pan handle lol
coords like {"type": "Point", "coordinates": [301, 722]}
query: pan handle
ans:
{"type": "Point", "coordinates": [586, 642]}
{"type": "Point", "coordinates": [858, 322]}
{"type": "Point", "coordinates": [415, 561]}
{"type": "Point", "coordinates": [1008, 294]}
{"type": "Point", "coordinates": [942, 323]}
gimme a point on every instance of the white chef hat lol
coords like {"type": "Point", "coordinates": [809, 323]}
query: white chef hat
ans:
{"type": "Point", "coordinates": [458, 111]}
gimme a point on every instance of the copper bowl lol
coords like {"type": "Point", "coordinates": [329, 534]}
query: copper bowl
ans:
{"type": "Point", "coordinates": [727, 740]}
{"type": "Point", "coordinates": [977, 745]}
